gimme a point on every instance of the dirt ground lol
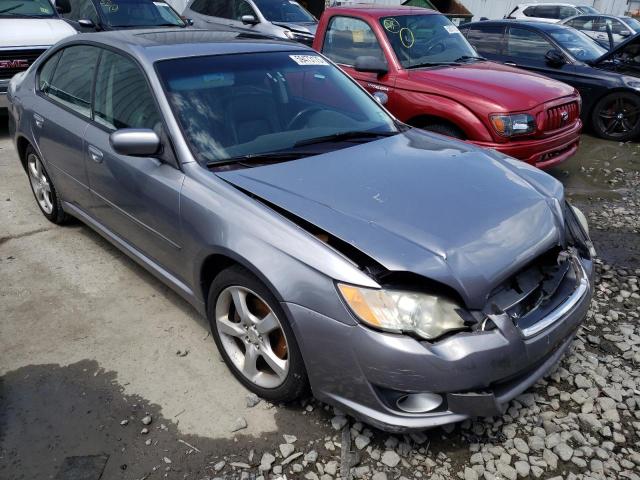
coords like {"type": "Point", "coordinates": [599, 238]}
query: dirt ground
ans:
{"type": "Point", "coordinates": [89, 346]}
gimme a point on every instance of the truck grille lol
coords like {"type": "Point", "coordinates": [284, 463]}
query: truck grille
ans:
{"type": "Point", "coordinates": [561, 116]}
{"type": "Point", "coordinates": [16, 61]}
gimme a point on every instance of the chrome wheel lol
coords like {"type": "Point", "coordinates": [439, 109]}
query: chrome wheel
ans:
{"type": "Point", "coordinates": [252, 336]}
{"type": "Point", "coordinates": [40, 183]}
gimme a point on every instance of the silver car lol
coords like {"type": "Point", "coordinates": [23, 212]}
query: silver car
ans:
{"type": "Point", "coordinates": [408, 278]}
{"type": "Point", "coordinates": [596, 27]}
{"type": "Point", "coordinates": [278, 18]}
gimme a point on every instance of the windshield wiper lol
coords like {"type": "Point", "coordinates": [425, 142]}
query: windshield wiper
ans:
{"type": "Point", "coordinates": [261, 158]}
{"type": "Point", "coordinates": [465, 58]}
{"type": "Point", "coordinates": [351, 135]}
{"type": "Point", "coordinates": [11, 8]}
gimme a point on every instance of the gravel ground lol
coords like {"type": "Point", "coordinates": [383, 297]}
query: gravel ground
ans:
{"type": "Point", "coordinates": [580, 422]}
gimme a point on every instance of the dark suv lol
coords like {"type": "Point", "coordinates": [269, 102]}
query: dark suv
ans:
{"type": "Point", "coordinates": [95, 15]}
{"type": "Point", "coordinates": [607, 81]}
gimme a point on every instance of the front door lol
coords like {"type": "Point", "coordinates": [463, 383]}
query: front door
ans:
{"type": "Point", "coordinates": [137, 198]}
{"type": "Point", "coordinates": [348, 38]}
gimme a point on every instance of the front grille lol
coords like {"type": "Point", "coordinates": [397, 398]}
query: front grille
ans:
{"type": "Point", "coordinates": [16, 61]}
{"type": "Point", "coordinates": [561, 116]}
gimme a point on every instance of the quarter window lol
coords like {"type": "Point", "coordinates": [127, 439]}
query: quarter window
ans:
{"type": "Point", "coordinates": [123, 98]}
{"type": "Point", "coordinates": [72, 79]}
{"type": "Point", "coordinates": [349, 38]}
{"type": "Point", "coordinates": [527, 44]}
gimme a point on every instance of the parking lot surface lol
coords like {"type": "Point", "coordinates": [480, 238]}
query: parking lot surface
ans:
{"type": "Point", "coordinates": [105, 372]}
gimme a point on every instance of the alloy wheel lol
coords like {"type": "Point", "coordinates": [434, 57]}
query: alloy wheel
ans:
{"type": "Point", "coordinates": [619, 116]}
{"type": "Point", "coordinates": [40, 183]}
{"type": "Point", "coordinates": [252, 336]}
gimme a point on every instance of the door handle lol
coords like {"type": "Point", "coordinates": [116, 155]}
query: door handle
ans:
{"type": "Point", "coordinates": [39, 121]}
{"type": "Point", "coordinates": [510, 64]}
{"type": "Point", "coordinates": [95, 154]}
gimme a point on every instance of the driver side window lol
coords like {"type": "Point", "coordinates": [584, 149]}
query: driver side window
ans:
{"type": "Point", "coordinates": [349, 38]}
{"type": "Point", "coordinates": [241, 8]}
{"type": "Point", "coordinates": [79, 10]}
{"type": "Point", "coordinates": [525, 44]}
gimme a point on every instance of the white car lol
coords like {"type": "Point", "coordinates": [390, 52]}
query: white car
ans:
{"type": "Point", "coordinates": [596, 27]}
{"type": "Point", "coordinates": [27, 28]}
{"type": "Point", "coordinates": [549, 12]}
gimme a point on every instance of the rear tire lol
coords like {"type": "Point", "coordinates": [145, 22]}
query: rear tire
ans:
{"type": "Point", "coordinates": [254, 337]}
{"type": "Point", "coordinates": [445, 129]}
{"type": "Point", "coordinates": [617, 117]}
{"type": "Point", "coordinates": [43, 189]}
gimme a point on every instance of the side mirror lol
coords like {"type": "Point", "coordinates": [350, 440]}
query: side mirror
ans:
{"type": "Point", "coordinates": [555, 58]}
{"type": "Point", "coordinates": [188, 21]}
{"type": "Point", "coordinates": [624, 33]}
{"type": "Point", "coordinates": [86, 23]}
{"type": "Point", "coordinates": [141, 142]}
{"type": "Point", "coordinates": [371, 64]}
{"type": "Point", "coordinates": [249, 20]}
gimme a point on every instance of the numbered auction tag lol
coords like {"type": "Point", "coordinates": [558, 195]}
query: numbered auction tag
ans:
{"type": "Point", "coordinates": [308, 60]}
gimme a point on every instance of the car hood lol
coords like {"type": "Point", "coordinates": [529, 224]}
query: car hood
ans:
{"type": "Point", "coordinates": [303, 27]}
{"type": "Point", "coordinates": [33, 32]}
{"type": "Point", "coordinates": [418, 202]}
{"type": "Point", "coordinates": [634, 40]}
{"type": "Point", "coordinates": [506, 89]}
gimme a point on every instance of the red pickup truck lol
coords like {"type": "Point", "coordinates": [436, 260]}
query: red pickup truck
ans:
{"type": "Point", "coordinates": [418, 64]}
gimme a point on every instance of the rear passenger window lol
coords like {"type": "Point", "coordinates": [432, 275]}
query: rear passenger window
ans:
{"type": "Point", "coordinates": [486, 39]}
{"type": "Point", "coordinates": [123, 98]}
{"type": "Point", "coordinates": [73, 77]}
{"type": "Point", "coordinates": [349, 38]}
{"type": "Point", "coordinates": [547, 11]}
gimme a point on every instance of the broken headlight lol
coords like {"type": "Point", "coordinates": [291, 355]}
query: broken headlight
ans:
{"type": "Point", "coordinates": [428, 316]}
{"type": "Point", "coordinates": [578, 229]}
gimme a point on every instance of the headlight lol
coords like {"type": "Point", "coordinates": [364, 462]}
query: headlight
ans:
{"type": "Point", "coordinates": [631, 82]}
{"type": "Point", "coordinates": [298, 37]}
{"type": "Point", "coordinates": [581, 218]}
{"type": "Point", "coordinates": [428, 316]}
{"type": "Point", "coordinates": [510, 125]}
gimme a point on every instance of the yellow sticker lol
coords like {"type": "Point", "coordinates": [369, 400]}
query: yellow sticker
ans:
{"type": "Point", "coordinates": [407, 38]}
{"type": "Point", "coordinates": [358, 36]}
{"type": "Point", "coordinates": [391, 24]}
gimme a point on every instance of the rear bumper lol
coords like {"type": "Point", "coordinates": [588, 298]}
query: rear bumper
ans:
{"type": "Point", "coordinates": [542, 153]}
{"type": "Point", "coordinates": [476, 373]}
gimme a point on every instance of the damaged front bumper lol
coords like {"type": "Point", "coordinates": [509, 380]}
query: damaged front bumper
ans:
{"type": "Point", "coordinates": [365, 372]}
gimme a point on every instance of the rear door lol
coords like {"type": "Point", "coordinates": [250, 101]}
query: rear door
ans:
{"type": "Point", "coordinates": [63, 107]}
{"type": "Point", "coordinates": [348, 38]}
{"type": "Point", "coordinates": [137, 198]}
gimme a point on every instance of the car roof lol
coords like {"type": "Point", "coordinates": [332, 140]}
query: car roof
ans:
{"type": "Point", "coordinates": [545, 26]}
{"type": "Point", "coordinates": [152, 45]}
{"type": "Point", "coordinates": [377, 10]}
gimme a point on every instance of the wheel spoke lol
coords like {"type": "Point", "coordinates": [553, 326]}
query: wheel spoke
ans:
{"type": "Point", "coordinates": [33, 169]}
{"type": "Point", "coordinates": [267, 324]}
{"type": "Point", "coordinates": [250, 366]}
{"type": "Point", "coordinates": [240, 302]}
{"type": "Point", "coordinates": [612, 126]}
{"type": "Point", "coordinates": [626, 126]}
{"type": "Point", "coordinates": [607, 115]}
{"type": "Point", "coordinates": [39, 170]}
{"type": "Point", "coordinates": [631, 112]}
{"type": "Point", "coordinates": [230, 328]}
{"type": "Point", "coordinates": [278, 365]}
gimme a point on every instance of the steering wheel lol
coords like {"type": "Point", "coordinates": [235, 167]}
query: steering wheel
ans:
{"type": "Point", "coordinates": [302, 115]}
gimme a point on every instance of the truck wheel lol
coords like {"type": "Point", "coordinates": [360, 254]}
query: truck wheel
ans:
{"type": "Point", "coordinates": [445, 129]}
{"type": "Point", "coordinates": [617, 116]}
{"type": "Point", "coordinates": [43, 190]}
{"type": "Point", "coordinates": [254, 338]}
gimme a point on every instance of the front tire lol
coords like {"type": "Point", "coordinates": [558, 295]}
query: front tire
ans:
{"type": "Point", "coordinates": [43, 189]}
{"type": "Point", "coordinates": [617, 117]}
{"type": "Point", "coordinates": [253, 336]}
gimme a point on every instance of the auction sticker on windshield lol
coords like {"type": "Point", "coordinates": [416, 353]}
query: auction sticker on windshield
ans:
{"type": "Point", "coordinates": [308, 60]}
{"type": "Point", "coordinates": [451, 29]}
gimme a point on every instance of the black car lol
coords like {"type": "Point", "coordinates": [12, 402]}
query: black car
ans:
{"type": "Point", "coordinates": [607, 81]}
{"type": "Point", "coordinates": [96, 15]}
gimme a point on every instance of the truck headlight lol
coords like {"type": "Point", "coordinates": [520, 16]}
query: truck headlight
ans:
{"type": "Point", "coordinates": [428, 316]}
{"type": "Point", "coordinates": [511, 125]}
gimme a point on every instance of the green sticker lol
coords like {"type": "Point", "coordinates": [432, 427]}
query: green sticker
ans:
{"type": "Point", "coordinates": [391, 24]}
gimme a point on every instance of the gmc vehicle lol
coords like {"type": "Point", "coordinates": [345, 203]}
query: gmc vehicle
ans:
{"type": "Point", "coordinates": [417, 63]}
{"type": "Point", "coordinates": [27, 28]}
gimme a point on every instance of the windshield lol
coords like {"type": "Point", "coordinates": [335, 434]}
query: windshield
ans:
{"type": "Point", "coordinates": [285, 11]}
{"type": "Point", "coordinates": [578, 44]}
{"type": "Point", "coordinates": [26, 8]}
{"type": "Point", "coordinates": [250, 104]}
{"type": "Point", "coordinates": [588, 10]}
{"type": "Point", "coordinates": [138, 13]}
{"type": "Point", "coordinates": [422, 40]}
{"type": "Point", "coordinates": [632, 23]}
